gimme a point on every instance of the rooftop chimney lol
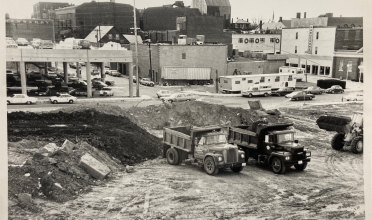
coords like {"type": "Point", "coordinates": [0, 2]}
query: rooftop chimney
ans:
{"type": "Point", "coordinates": [260, 25]}
{"type": "Point", "coordinates": [280, 19]}
{"type": "Point", "coordinates": [112, 1]}
{"type": "Point", "coordinates": [304, 14]}
{"type": "Point", "coordinates": [298, 15]}
{"type": "Point", "coordinates": [330, 15]}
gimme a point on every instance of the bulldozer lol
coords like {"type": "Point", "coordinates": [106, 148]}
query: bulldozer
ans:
{"type": "Point", "coordinates": [349, 131]}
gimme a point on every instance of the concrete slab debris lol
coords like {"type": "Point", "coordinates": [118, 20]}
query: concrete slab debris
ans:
{"type": "Point", "coordinates": [94, 167]}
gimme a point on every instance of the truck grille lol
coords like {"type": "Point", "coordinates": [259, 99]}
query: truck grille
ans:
{"type": "Point", "coordinates": [231, 156]}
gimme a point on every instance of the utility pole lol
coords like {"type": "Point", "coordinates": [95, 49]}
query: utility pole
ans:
{"type": "Point", "coordinates": [150, 61]}
{"type": "Point", "coordinates": [135, 35]}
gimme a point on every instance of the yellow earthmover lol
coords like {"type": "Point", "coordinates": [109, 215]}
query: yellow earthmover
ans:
{"type": "Point", "coordinates": [349, 130]}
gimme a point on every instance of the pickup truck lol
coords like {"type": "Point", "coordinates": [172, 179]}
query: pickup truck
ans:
{"type": "Point", "coordinates": [205, 146]}
{"type": "Point", "coordinates": [271, 144]}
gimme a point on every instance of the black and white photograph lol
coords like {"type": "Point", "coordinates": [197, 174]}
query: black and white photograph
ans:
{"type": "Point", "coordinates": [193, 109]}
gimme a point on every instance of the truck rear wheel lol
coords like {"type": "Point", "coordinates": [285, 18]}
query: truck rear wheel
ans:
{"type": "Point", "coordinates": [338, 141]}
{"type": "Point", "coordinates": [301, 167]}
{"type": "Point", "coordinates": [210, 167]}
{"type": "Point", "coordinates": [237, 169]}
{"type": "Point", "coordinates": [278, 166]}
{"type": "Point", "coordinates": [172, 156]}
{"type": "Point", "coordinates": [357, 145]}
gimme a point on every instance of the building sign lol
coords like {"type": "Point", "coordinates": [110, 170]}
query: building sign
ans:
{"type": "Point", "coordinates": [310, 42]}
{"type": "Point", "coordinates": [28, 21]}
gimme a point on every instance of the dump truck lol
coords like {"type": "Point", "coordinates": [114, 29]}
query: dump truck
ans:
{"type": "Point", "coordinates": [349, 130]}
{"type": "Point", "coordinates": [270, 144]}
{"type": "Point", "coordinates": [205, 147]}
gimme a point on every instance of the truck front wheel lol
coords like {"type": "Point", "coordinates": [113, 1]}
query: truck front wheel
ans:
{"type": "Point", "coordinates": [210, 167]}
{"type": "Point", "coordinates": [237, 169]}
{"type": "Point", "coordinates": [172, 156]}
{"type": "Point", "coordinates": [357, 145]}
{"type": "Point", "coordinates": [277, 166]}
{"type": "Point", "coordinates": [301, 167]}
{"type": "Point", "coordinates": [337, 142]}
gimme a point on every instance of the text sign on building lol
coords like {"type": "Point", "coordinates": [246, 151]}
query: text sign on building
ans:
{"type": "Point", "coordinates": [310, 42]}
{"type": "Point", "coordinates": [29, 21]}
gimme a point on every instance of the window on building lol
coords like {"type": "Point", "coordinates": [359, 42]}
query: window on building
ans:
{"type": "Point", "coordinates": [117, 37]}
{"type": "Point", "coordinates": [262, 40]}
{"type": "Point", "coordinates": [237, 82]}
{"type": "Point", "coordinates": [277, 78]}
{"type": "Point", "coordinates": [317, 35]}
{"type": "Point", "coordinates": [280, 70]}
{"type": "Point", "coordinates": [251, 40]}
{"type": "Point", "coordinates": [346, 35]}
{"type": "Point", "coordinates": [240, 40]}
{"type": "Point", "coordinates": [272, 40]}
{"type": "Point", "coordinates": [295, 49]}
{"type": "Point", "coordinates": [296, 35]}
{"type": "Point", "coordinates": [244, 79]}
{"type": "Point", "coordinates": [289, 78]}
{"type": "Point", "coordinates": [250, 81]}
{"type": "Point", "coordinates": [183, 55]}
{"type": "Point", "coordinates": [316, 50]}
{"type": "Point", "coordinates": [225, 81]}
{"type": "Point", "coordinates": [110, 36]}
{"type": "Point", "coordinates": [357, 34]}
{"type": "Point", "coordinates": [262, 79]}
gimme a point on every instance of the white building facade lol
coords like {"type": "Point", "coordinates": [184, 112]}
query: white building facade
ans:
{"type": "Point", "coordinates": [258, 43]}
{"type": "Point", "coordinates": [310, 47]}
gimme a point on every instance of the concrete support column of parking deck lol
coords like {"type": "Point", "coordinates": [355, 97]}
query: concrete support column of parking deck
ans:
{"type": "Point", "coordinates": [131, 79]}
{"type": "Point", "coordinates": [23, 77]}
{"type": "Point", "coordinates": [103, 75]}
{"type": "Point", "coordinates": [78, 70]}
{"type": "Point", "coordinates": [89, 80]}
{"type": "Point", "coordinates": [65, 72]}
{"type": "Point", "coordinates": [45, 68]}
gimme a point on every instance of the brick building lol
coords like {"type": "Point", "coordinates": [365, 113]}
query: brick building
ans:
{"type": "Point", "coordinates": [82, 19]}
{"type": "Point", "coordinates": [29, 28]}
{"type": "Point", "coordinates": [44, 10]}
{"type": "Point", "coordinates": [217, 8]}
{"type": "Point", "coordinates": [164, 18]}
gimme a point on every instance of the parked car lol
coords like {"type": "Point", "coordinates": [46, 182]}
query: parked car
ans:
{"type": "Point", "coordinates": [62, 98]}
{"type": "Point", "coordinates": [35, 43]}
{"type": "Point", "coordinates": [335, 89]}
{"type": "Point", "coordinates": [354, 97]}
{"type": "Point", "coordinates": [106, 91]}
{"type": "Point", "coordinates": [134, 79]}
{"type": "Point", "coordinates": [21, 99]}
{"type": "Point", "coordinates": [84, 44]}
{"type": "Point", "coordinates": [147, 82]}
{"type": "Point", "coordinates": [282, 91]}
{"type": "Point", "coordinates": [109, 82]}
{"type": "Point", "coordinates": [179, 97]}
{"type": "Point", "coordinates": [77, 84]}
{"type": "Point", "coordinates": [114, 73]}
{"type": "Point", "coordinates": [46, 44]}
{"type": "Point", "coordinates": [95, 72]}
{"type": "Point", "coordinates": [10, 43]}
{"type": "Point", "coordinates": [163, 93]}
{"type": "Point", "coordinates": [300, 95]}
{"type": "Point", "coordinates": [98, 84]}
{"type": "Point", "coordinates": [314, 90]}
{"type": "Point", "coordinates": [73, 65]}
{"type": "Point", "coordinates": [51, 75]}
{"type": "Point", "coordinates": [38, 92]}
{"type": "Point", "coordinates": [22, 42]}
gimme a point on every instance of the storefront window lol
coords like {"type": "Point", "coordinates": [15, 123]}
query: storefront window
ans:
{"type": "Point", "coordinates": [340, 68]}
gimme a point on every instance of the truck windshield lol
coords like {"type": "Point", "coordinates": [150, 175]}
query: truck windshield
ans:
{"type": "Point", "coordinates": [288, 137]}
{"type": "Point", "coordinates": [215, 139]}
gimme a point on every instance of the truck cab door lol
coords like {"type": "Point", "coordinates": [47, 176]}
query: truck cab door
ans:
{"type": "Point", "coordinates": [199, 148]}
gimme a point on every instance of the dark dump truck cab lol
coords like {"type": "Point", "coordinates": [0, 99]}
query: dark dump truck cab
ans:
{"type": "Point", "coordinates": [271, 144]}
{"type": "Point", "coordinates": [205, 146]}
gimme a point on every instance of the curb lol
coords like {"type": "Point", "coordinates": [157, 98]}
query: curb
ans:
{"type": "Point", "coordinates": [333, 103]}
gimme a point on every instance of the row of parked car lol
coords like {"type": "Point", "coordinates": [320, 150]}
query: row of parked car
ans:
{"type": "Point", "coordinates": [36, 43]}
{"type": "Point", "coordinates": [25, 99]}
{"type": "Point", "coordinates": [289, 92]}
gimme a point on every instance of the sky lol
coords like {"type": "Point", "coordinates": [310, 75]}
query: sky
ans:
{"type": "Point", "coordinates": [245, 9]}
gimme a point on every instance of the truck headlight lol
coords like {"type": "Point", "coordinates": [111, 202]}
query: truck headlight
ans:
{"type": "Point", "coordinates": [220, 159]}
{"type": "Point", "coordinates": [308, 154]}
{"type": "Point", "coordinates": [242, 155]}
{"type": "Point", "coordinates": [287, 158]}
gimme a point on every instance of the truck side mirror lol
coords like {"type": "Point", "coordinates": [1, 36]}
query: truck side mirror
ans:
{"type": "Point", "coordinates": [296, 141]}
